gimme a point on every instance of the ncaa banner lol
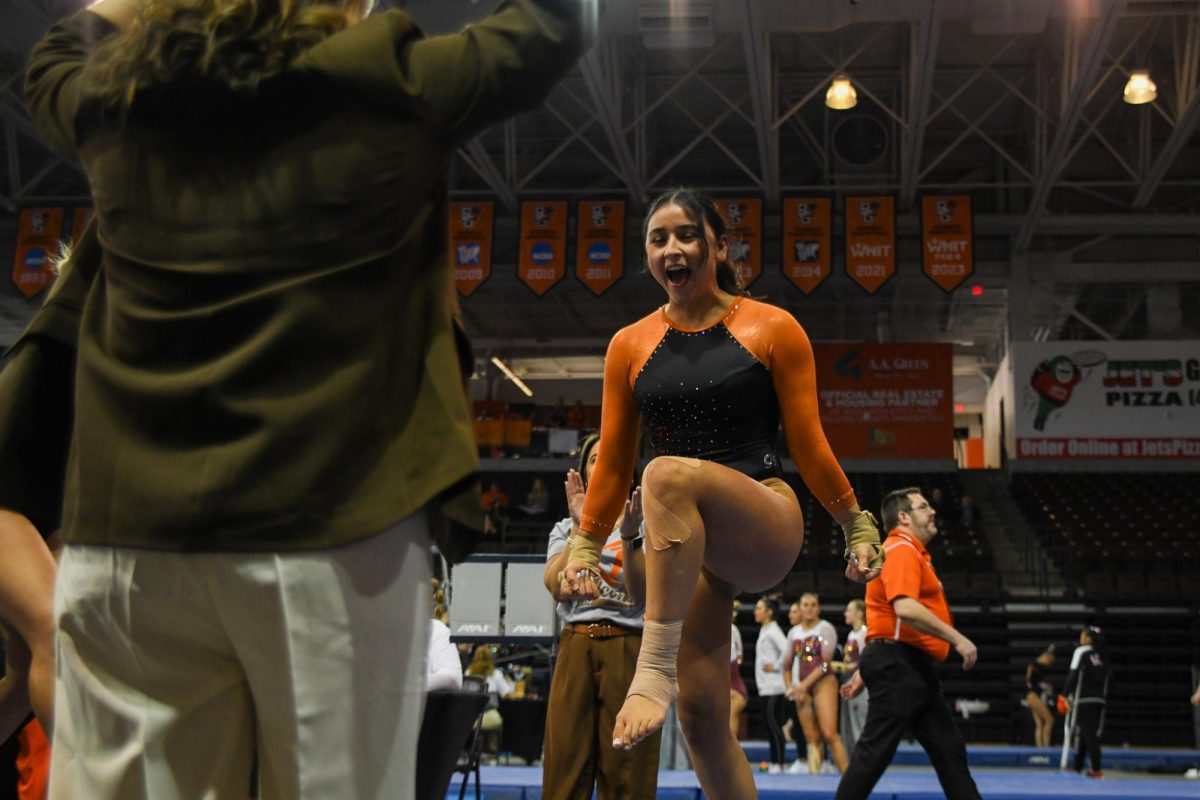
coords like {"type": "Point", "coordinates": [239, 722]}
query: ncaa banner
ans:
{"type": "Point", "coordinates": [37, 244]}
{"type": "Point", "coordinates": [79, 223]}
{"type": "Point", "coordinates": [744, 220]}
{"type": "Point", "coordinates": [470, 229]}
{"type": "Point", "coordinates": [887, 400]}
{"type": "Point", "coordinates": [946, 239]}
{"type": "Point", "coordinates": [870, 241]}
{"type": "Point", "coordinates": [599, 261]}
{"type": "Point", "coordinates": [807, 241]}
{"type": "Point", "coordinates": [1107, 399]}
{"type": "Point", "coordinates": [543, 260]}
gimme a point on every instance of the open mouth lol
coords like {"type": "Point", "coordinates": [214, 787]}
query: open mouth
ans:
{"type": "Point", "coordinates": [678, 276]}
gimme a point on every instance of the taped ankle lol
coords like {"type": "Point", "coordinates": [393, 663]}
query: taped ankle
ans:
{"type": "Point", "coordinates": [655, 675]}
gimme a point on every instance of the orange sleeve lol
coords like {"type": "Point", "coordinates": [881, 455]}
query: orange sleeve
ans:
{"type": "Point", "coordinates": [608, 489]}
{"type": "Point", "coordinates": [794, 375]}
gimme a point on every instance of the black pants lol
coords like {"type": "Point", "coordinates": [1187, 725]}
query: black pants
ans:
{"type": "Point", "coordinates": [775, 708]}
{"type": "Point", "coordinates": [1087, 725]}
{"type": "Point", "coordinates": [905, 694]}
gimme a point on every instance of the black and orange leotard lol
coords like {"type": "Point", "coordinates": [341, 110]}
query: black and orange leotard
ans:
{"type": "Point", "coordinates": [716, 394]}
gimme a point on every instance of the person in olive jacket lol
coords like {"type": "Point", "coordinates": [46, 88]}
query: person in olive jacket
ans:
{"type": "Point", "coordinates": [269, 417]}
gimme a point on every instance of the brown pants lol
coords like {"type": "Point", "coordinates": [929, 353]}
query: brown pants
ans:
{"type": "Point", "coordinates": [588, 688]}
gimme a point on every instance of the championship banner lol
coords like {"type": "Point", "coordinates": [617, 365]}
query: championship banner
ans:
{"type": "Point", "coordinates": [887, 400]}
{"type": "Point", "coordinates": [79, 222]}
{"type": "Point", "coordinates": [946, 239]}
{"type": "Point", "coordinates": [807, 241]}
{"type": "Point", "coordinates": [870, 241]}
{"type": "Point", "coordinates": [1107, 399]}
{"type": "Point", "coordinates": [543, 244]}
{"type": "Point", "coordinates": [470, 227]}
{"type": "Point", "coordinates": [37, 244]}
{"type": "Point", "coordinates": [744, 220]}
{"type": "Point", "coordinates": [599, 259]}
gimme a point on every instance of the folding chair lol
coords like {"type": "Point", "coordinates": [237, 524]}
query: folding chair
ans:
{"type": "Point", "coordinates": [449, 740]}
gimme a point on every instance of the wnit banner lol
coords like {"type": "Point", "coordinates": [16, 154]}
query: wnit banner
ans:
{"type": "Point", "coordinates": [1107, 399]}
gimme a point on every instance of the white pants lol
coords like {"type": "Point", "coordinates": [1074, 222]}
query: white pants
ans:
{"type": "Point", "coordinates": [174, 668]}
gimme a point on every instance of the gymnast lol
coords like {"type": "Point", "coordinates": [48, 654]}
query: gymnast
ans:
{"type": "Point", "coordinates": [712, 373]}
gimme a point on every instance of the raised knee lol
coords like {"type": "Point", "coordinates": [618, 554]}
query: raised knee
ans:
{"type": "Point", "coordinates": [665, 475]}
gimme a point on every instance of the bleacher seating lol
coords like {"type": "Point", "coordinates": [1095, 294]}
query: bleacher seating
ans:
{"type": "Point", "coordinates": [1117, 536]}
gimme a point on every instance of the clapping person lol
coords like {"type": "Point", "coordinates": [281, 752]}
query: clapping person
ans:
{"type": "Point", "coordinates": [597, 655]}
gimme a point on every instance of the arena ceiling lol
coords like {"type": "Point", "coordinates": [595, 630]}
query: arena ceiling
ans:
{"type": "Point", "coordinates": [1085, 207]}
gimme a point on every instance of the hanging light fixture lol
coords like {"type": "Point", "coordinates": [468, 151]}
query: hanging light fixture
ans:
{"type": "Point", "coordinates": [841, 94]}
{"type": "Point", "coordinates": [1140, 89]}
{"type": "Point", "coordinates": [512, 376]}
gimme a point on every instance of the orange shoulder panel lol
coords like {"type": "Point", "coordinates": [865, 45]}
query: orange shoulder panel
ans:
{"type": "Point", "coordinates": [608, 489]}
{"type": "Point", "coordinates": [775, 338]}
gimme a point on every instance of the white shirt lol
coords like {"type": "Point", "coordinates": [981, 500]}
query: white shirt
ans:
{"type": "Point", "coordinates": [859, 637]}
{"type": "Point", "coordinates": [736, 648]}
{"type": "Point", "coordinates": [771, 649]}
{"type": "Point", "coordinates": [443, 668]}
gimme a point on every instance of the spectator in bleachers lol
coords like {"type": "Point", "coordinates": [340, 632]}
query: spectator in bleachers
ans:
{"type": "Point", "coordinates": [909, 632]}
{"type": "Point", "coordinates": [1086, 694]}
{"type": "Point", "coordinates": [812, 644]}
{"type": "Point", "coordinates": [537, 501]}
{"type": "Point", "coordinates": [1038, 692]}
{"type": "Point", "coordinates": [969, 513]}
{"type": "Point", "coordinates": [854, 709]}
{"type": "Point", "coordinates": [495, 508]}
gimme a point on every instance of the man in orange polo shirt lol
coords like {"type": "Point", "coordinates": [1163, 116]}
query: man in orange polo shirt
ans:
{"type": "Point", "coordinates": [909, 632]}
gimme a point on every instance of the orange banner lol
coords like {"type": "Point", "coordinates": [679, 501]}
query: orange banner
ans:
{"type": "Point", "coordinates": [870, 241]}
{"type": "Point", "coordinates": [470, 227]}
{"type": "Point", "coordinates": [37, 245]}
{"type": "Point", "coordinates": [887, 400]}
{"type": "Point", "coordinates": [744, 218]}
{"type": "Point", "coordinates": [599, 259]}
{"type": "Point", "coordinates": [946, 239]}
{"type": "Point", "coordinates": [807, 241]}
{"type": "Point", "coordinates": [79, 221]}
{"type": "Point", "coordinates": [543, 261]}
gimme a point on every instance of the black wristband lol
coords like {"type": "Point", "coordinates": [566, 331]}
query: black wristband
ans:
{"type": "Point", "coordinates": [633, 543]}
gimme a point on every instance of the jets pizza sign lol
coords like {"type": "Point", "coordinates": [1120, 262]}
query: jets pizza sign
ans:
{"type": "Point", "coordinates": [1107, 400]}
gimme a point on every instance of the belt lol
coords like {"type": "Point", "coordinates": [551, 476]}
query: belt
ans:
{"type": "Point", "coordinates": [904, 647]}
{"type": "Point", "coordinates": [600, 630]}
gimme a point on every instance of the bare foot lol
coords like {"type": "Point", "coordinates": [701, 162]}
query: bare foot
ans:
{"type": "Point", "coordinates": [639, 717]}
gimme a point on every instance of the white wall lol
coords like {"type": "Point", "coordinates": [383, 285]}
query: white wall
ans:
{"type": "Point", "coordinates": [1001, 390]}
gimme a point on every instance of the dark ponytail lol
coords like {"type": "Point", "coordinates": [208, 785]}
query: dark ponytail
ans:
{"type": "Point", "coordinates": [701, 210]}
